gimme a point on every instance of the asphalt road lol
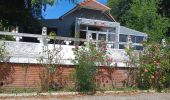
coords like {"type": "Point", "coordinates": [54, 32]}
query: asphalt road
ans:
{"type": "Point", "coordinates": [141, 96]}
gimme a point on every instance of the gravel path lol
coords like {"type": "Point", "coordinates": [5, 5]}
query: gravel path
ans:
{"type": "Point", "coordinates": [141, 96]}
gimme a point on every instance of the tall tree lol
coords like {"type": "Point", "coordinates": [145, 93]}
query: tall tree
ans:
{"type": "Point", "coordinates": [18, 13]}
{"type": "Point", "coordinates": [23, 13]}
{"type": "Point", "coordinates": [119, 7]}
{"type": "Point", "coordinates": [141, 15]}
{"type": "Point", "coordinates": [165, 10]}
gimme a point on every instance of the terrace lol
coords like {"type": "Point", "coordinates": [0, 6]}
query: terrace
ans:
{"type": "Point", "coordinates": [115, 38]}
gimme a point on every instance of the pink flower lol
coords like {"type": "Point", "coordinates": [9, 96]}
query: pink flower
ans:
{"type": "Point", "coordinates": [105, 48]}
{"type": "Point", "coordinates": [158, 63]}
{"type": "Point", "coordinates": [152, 77]}
{"type": "Point", "coordinates": [145, 70]}
{"type": "Point", "coordinates": [109, 59]}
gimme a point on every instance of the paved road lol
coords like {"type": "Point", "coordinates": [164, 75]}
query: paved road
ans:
{"type": "Point", "coordinates": [142, 96]}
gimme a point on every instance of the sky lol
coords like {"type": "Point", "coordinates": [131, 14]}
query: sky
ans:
{"type": "Point", "coordinates": [60, 8]}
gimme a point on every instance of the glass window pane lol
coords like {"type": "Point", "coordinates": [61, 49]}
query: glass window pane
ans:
{"type": "Point", "coordinates": [102, 36]}
{"type": "Point", "coordinates": [139, 39]}
{"type": "Point", "coordinates": [111, 37]}
{"type": "Point", "coordinates": [133, 38]}
{"type": "Point", "coordinates": [138, 47]}
{"type": "Point", "coordinates": [94, 36]}
{"type": "Point", "coordinates": [121, 46]}
{"type": "Point", "coordinates": [122, 38]}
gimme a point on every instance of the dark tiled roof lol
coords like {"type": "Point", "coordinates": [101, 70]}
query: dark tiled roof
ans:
{"type": "Point", "coordinates": [93, 4]}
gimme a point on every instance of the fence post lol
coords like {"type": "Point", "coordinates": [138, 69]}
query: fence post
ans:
{"type": "Point", "coordinates": [15, 30]}
{"type": "Point", "coordinates": [44, 36]}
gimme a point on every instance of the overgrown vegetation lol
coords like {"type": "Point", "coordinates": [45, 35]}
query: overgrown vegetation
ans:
{"type": "Point", "coordinates": [152, 66]}
{"type": "Point", "coordinates": [151, 17]}
{"type": "Point", "coordinates": [87, 60]}
{"type": "Point", "coordinates": [3, 53]}
{"type": "Point", "coordinates": [50, 60]}
{"type": "Point", "coordinates": [5, 70]}
{"type": "Point", "coordinates": [155, 67]}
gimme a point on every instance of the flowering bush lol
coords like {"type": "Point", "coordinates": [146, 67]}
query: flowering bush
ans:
{"type": "Point", "coordinates": [154, 67]}
{"type": "Point", "coordinates": [88, 59]}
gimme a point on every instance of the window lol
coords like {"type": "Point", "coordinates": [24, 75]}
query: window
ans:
{"type": "Point", "coordinates": [133, 38]}
{"type": "Point", "coordinates": [111, 37]}
{"type": "Point", "coordinates": [102, 36]}
{"type": "Point", "coordinates": [121, 46]}
{"type": "Point", "coordinates": [94, 36]}
{"type": "Point", "coordinates": [122, 38]}
{"type": "Point", "coordinates": [139, 39]}
{"type": "Point", "coordinates": [138, 47]}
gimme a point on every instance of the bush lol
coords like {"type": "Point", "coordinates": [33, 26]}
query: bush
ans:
{"type": "Point", "coordinates": [87, 60]}
{"type": "Point", "coordinates": [154, 67]}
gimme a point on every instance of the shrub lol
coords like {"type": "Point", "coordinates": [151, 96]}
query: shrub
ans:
{"type": "Point", "coordinates": [88, 59]}
{"type": "Point", "coordinates": [50, 60]}
{"type": "Point", "coordinates": [154, 67]}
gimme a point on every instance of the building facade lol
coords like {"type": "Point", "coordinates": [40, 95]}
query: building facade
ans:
{"type": "Point", "coordinates": [91, 19]}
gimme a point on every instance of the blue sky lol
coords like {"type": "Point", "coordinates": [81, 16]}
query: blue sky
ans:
{"type": "Point", "coordinates": [58, 9]}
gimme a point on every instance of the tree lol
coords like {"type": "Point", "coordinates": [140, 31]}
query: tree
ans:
{"type": "Point", "coordinates": [141, 15]}
{"type": "Point", "coordinates": [18, 13]}
{"type": "Point", "coordinates": [165, 10]}
{"type": "Point", "coordinates": [119, 7]}
{"type": "Point", "coordinates": [24, 13]}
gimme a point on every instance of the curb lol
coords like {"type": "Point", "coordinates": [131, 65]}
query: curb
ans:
{"type": "Point", "coordinates": [71, 93]}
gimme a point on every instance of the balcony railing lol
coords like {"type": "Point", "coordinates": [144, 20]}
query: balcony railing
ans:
{"type": "Point", "coordinates": [28, 52]}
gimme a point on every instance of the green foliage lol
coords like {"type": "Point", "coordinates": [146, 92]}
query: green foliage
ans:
{"type": "Point", "coordinates": [53, 35]}
{"type": "Point", "coordinates": [3, 53]}
{"type": "Point", "coordinates": [119, 7]}
{"type": "Point", "coordinates": [50, 60]}
{"type": "Point", "coordinates": [87, 60]}
{"type": "Point", "coordinates": [5, 70]}
{"type": "Point", "coordinates": [141, 15]}
{"type": "Point", "coordinates": [7, 37]}
{"type": "Point", "coordinates": [164, 8]}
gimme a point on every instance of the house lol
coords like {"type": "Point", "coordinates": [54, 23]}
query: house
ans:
{"type": "Point", "coordinates": [88, 20]}
{"type": "Point", "coordinates": [93, 19]}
